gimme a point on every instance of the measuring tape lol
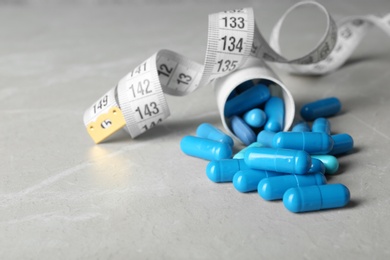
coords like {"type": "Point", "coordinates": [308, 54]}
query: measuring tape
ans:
{"type": "Point", "coordinates": [138, 101]}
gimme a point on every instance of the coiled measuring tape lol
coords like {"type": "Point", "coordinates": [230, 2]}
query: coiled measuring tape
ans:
{"type": "Point", "coordinates": [138, 101]}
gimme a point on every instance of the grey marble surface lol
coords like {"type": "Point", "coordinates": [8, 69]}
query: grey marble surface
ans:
{"type": "Point", "coordinates": [63, 197]}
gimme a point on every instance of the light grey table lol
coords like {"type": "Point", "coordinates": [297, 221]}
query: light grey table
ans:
{"type": "Point", "coordinates": [63, 197]}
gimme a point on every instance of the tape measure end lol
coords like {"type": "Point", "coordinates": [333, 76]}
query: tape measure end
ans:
{"type": "Point", "coordinates": [106, 125]}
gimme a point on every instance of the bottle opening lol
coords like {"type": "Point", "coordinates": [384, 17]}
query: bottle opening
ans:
{"type": "Point", "coordinates": [243, 91]}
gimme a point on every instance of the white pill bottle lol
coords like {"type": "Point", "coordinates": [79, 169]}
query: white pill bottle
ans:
{"type": "Point", "coordinates": [258, 71]}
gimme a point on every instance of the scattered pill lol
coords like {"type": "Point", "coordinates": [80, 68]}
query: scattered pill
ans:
{"type": "Point", "coordinates": [265, 137]}
{"type": "Point", "coordinates": [209, 131]}
{"type": "Point", "coordinates": [330, 162]}
{"type": "Point", "coordinates": [316, 166]}
{"type": "Point", "coordinates": [278, 160]}
{"type": "Point", "coordinates": [273, 188]}
{"type": "Point", "coordinates": [343, 143]}
{"type": "Point", "coordinates": [321, 108]}
{"type": "Point", "coordinates": [242, 130]}
{"type": "Point", "coordinates": [311, 142]}
{"type": "Point", "coordinates": [255, 117]}
{"type": "Point", "coordinates": [312, 198]}
{"type": "Point", "coordinates": [224, 170]}
{"type": "Point", "coordinates": [248, 180]}
{"type": "Point", "coordinates": [321, 125]}
{"type": "Point", "coordinates": [279, 165]}
{"type": "Point", "coordinates": [247, 100]}
{"type": "Point", "coordinates": [241, 153]}
{"type": "Point", "coordinates": [274, 109]}
{"type": "Point", "coordinates": [205, 148]}
{"type": "Point", "coordinates": [301, 127]}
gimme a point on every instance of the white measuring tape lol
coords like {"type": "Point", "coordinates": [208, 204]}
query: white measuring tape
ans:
{"type": "Point", "coordinates": [138, 101]}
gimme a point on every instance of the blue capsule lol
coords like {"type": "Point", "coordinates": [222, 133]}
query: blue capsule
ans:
{"type": "Point", "coordinates": [205, 148]}
{"type": "Point", "coordinates": [255, 117]}
{"type": "Point", "coordinates": [209, 131]}
{"type": "Point", "coordinates": [247, 180]}
{"type": "Point", "coordinates": [278, 160]}
{"type": "Point", "coordinates": [274, 188]}
{"type": "Point", "coordinates": [301, 127]}
{"type": "Point", "coordinates": [321, 108]}
{"type": "Point", "coordinates": [316, 166]}
{"type": "Point", "coordinates": [265, 137]}
{"type": "Point", "coordinates": [274, 109]}
{"type": "Point", "coordinates": [224, 170]}
{"type": "Point", "coordinates": [242, 130]}
{"type": "Point", "coordinates": [240, 154]}
{"type": "Point", "coordinates": [343, 143]}
{"type": "Point", "coordinates": [313, 198]}
{"type": "Point", "coordinates": [247, 100]}
{"type": "Point", "coordinates": [311, 142]}
{"type": "Point", "coordinates": [321, 125]}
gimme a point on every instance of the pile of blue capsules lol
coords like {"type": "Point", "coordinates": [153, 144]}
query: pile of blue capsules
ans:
{"type": "Point", "coordinates": [289, 166]}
